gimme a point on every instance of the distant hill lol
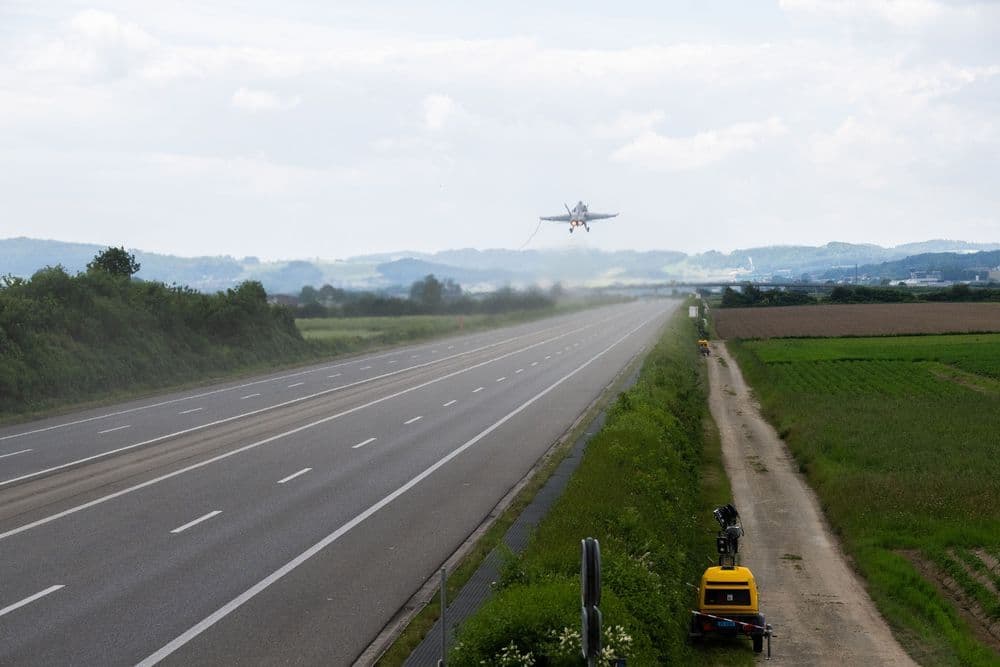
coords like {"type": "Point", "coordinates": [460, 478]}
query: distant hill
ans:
{"type": "Point", "coordinates": [952, 265]}
{"type": "Point", "coordinates": [487, 269]}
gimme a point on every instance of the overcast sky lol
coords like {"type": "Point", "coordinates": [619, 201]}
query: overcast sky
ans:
{"type": "Point", "coordinates": [296, 130]}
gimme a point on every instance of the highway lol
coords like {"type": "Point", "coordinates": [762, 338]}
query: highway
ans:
{"type": "Point", "coordinates": [287, 518]}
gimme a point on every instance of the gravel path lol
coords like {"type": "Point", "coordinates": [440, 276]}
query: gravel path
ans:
{"type": "Point", "coordinates": [819, 608]}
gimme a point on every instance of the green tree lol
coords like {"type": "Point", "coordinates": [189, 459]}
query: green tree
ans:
{"type": "Point", "coordinates": [114, 261]}
{"type": "Point", "coordinates": [308, 295]}
{"type": "Point", "coordinates": [427, 292]}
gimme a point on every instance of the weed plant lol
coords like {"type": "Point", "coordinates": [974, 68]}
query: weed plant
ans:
{"type": "Point", "coordinates": [639, 490]}
{"type": "Point", "coordinates": [899, 437]}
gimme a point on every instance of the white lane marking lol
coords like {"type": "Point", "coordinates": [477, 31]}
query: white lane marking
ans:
{"type": "Point", "coordinates": [393, 361]}
{"type": "Point", "coordinates": [31, 598]}
{"type": "Point", "coordinates": [253, 445]}
{"type": "Point", "coordinates": [264, 583]}
{"type": "Point", "coordinates": [206, 517]}
{"type": "Point", "coordinates": [415, 419]}
{"type": "Point", "coordinates": [451, 402]}
{"type": "Point", "coordinates": [335, 375]}
{"type": "Point", "coordinates": [116, 428]}
{"type": "Point", "coordinates": [270, 379]}
{"type": "Point", "coordinates": [187, 412]}
{"type": "Point", "coordinates": [559, 352]}
{"type": "Point", "coordinates": [477, 390]}
{"type": "Point", "coordinates": [294, 475]}
{"type": "Point", "coordinates": [451, 347]}
{"type": "Point", "coordinates": [414, 356]}
{"type": "Point", "coordinates": [291, 401]}
{"type": "Point", "coordinates": [22, 451]}
{"type": "Point", "coordinates": [364, 442]}
{"type": "Point", "coordinates": [519, 370]}
{"type": "Point", "coordinates": [434, 351]}
{"type": "Point", "coordinates": [364, 368]}
{"type": "Point", "coordinates": [243, 398]}
{"type": "Point", "coordinates": [548, 356]}
{"type": "Point", "coordinates": [501, 379]}
{"type": "Point", "coordinates": [296, 384]}
{"type": "Point", "coordinates": [534, 363]}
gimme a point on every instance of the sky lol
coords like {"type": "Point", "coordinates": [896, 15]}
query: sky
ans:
{"type": "Point", "coordinates": [329, 130]}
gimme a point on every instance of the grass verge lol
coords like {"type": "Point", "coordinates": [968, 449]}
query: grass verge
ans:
{"type": "Point", "coordinates": [903, 458]}
{"type": "Point", "coordinates": [645, 488]}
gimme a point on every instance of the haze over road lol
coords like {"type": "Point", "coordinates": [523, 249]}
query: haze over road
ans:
{"type": "Point", "coordinates": [287, 518]}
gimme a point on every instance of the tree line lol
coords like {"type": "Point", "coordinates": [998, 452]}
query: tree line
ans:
{"type": "Point", "coordinates": [68, 336]}
{"type": "Point", "coordinates": [754, 296]}
{"type": "Point", "coordinates": [427, 296]}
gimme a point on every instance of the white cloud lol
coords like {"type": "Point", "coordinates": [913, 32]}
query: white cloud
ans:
{"type": "Point", "coordinates": [262, 100]}
{"type": "Point", "coordinates": [438, 109]}
{"type": "Point", "coordinates": [657, 151]}
{"type": "Point", "coordinates": [899, 13]}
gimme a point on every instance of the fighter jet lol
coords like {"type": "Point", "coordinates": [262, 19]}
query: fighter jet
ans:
{"type": "Point", "coordinates": [579, 216]}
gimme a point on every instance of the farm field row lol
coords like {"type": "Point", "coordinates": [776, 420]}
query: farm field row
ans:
{"type": "Point", "coordinates": [899, 438]}
{"type": "Point", "coordinates": [887, 319]}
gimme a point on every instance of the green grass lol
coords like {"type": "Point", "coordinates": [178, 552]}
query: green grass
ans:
{"type": "Point", "coordinates": [899, 437]}
{"type": "Point", "coordinates": [645, 489]}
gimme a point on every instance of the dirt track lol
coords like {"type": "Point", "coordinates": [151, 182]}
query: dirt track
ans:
{"type": "Point", "coordinates": [820, 611]}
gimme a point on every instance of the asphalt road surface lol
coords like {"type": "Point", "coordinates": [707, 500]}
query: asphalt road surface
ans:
{"type": "Point", "coordinates": [287, 518]}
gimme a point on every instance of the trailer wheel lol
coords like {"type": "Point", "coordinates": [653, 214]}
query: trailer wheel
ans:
{"type": "Point", "coordinates": [758, 643]}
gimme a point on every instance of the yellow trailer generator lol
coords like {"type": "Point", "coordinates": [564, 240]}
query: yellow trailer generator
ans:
{"type": "Point", "coordinates": [728, 604]}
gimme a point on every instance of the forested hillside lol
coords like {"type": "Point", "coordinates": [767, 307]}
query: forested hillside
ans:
{"type": "Point", "coordinates": [70, 337]}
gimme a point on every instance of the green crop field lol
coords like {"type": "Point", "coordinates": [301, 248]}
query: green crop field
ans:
{"type": "Point", "coordinates": [900, 437]}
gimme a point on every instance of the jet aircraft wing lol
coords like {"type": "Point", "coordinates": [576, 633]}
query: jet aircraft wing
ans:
{"type": "Point", "coordinates": [557, 218]}
{"type": "Point", "coordinates": [600, 216]}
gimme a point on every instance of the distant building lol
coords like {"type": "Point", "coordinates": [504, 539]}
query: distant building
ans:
{"type": "Point", "coordinates": [919, 278]}
{"type": "Point", "coordinates": [283, 300]}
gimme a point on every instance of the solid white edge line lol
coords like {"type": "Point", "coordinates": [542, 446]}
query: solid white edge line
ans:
{"type": "Point", "coordinates": [116, 428]}
{"type": "Point", "coordinates": [363, 443]}
{"type": "Point", "coordinates": [31, 598]}
{"type": "Point", "coordinates": [21, 451]}
{"type": "Point", "coordinates": [264, 583]}
{"type": "Point", "coordinates": [206, 517]}
{"type": "Point", "coordinates": [415, 419]}
{"type": "Point", "coordinates": [292, 401]}
{"type": "Point", "coordinates": [293, 475]}
{"type": "Point", "coordinates": [451, 402]}
{"type": "Point", "coordinates": [222, 390]}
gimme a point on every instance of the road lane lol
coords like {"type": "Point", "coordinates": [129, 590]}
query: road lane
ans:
{"type": "Point", "coordinates": [74, 440]}
{"type": "Point", "coordinates": [136, 591]}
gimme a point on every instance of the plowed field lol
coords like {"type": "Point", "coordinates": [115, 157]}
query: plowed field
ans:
{"type": "Point", "coordinates": [883, 319]}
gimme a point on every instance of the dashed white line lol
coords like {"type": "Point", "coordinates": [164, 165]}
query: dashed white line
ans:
{"type": "Point", "coordinates": [364, 442]}
{"type": "Point", "coordinates": [365, 368]}
{"type": "Point", "coordinates": [281, 572]}
{"type": "Point", "coordinates": [451, 402]}
{"type": "Point", "coordinates": [534, 363]}
{"type": "Point", "coordinates": [22, 451]}
{"type": "Point", "coordinates": [30, 599]}
{"type": "Point", "coordinates": [116, 428]}
{"type": "Point", "coordinates": [393, 361]}
{"type": "Point", "coordinates": [519, 370]}
{"type": "Point", "coordinates": [294, 475]}
{"type": "Point", "coordinates": [335, 375]}
{"type": "Point", "coordinates": [548, 356]}
{"type": "Point", "coordinates": [502, 379]}
{"type": "Point", "coordinates": [451, 347]}
{"type": "Point", "coordinates": [414, 356]}
{"type": "Point", "coordinates": [296, 384]}
{"type": "Point", "coordinates": [477, 390]}
{"type": "Point", "coordinates": [187, 412]}
{"type": "Point", "coordinates": [415, 419]}
{"type": "Point", "coordinates": [243, 398]}
{"type": "Point", "coordinates": [206, 517]}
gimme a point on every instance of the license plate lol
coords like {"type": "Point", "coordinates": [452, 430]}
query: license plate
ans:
{"type": "Point", "coordinates": [727, 624]}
